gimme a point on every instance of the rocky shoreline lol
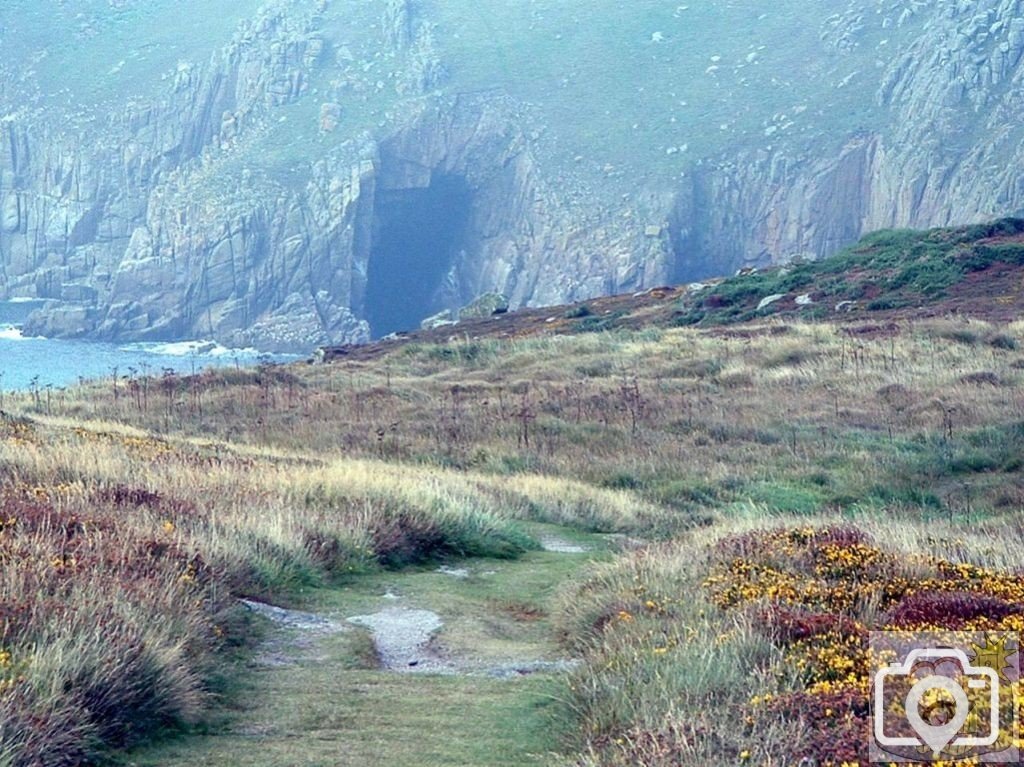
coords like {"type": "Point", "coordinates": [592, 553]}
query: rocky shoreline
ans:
{"type": "Point", "coordinates": [162, 223]}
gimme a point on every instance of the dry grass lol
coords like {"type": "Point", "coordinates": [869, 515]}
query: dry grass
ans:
{"type": "Point", "coordinates": [151, 507]}
{"type": "Point", "coordinates": [122, 553]}
{"type": "Point", "coordinates": [692, 658]}
{"type": "Point", "coordinates": [641, 410]}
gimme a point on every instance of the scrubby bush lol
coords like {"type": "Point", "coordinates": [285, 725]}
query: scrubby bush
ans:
{"type": "Point", "coordinates": [754, 647]}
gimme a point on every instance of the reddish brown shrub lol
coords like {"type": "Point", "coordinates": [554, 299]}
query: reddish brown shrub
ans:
{"type": "Point", "coordinates": [787, 624]}
{"type": "Point", "coordinates": [952, 610]}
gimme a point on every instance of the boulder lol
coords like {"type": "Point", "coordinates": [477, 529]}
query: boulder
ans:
{"type": "Point", "coordinates": [438, 320]}
{"type": "Point", "coordinates": [79, 293]}
{"type": "Point", "coordinates": [330, 117]}
{"type": "Point", "coordinates": [769, 300]}
{"type": "Point", "coordinates": [484, 306]}
{"type": "Point", "coordinates": [301, 324]}
{"type": "Point", "coordinates": [61, 321]}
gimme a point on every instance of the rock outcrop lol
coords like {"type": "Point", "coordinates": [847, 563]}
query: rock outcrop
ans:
{"type": "Point", "coordinates": [486, 305]}
{"type": "Point", "coordinates": [950, 150]}
{"type": "Point", "coordinates": [160, 231]}
{"type": "Point", "coordinates": [244, 204]}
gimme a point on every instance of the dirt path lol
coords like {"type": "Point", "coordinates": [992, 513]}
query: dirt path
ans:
{"type": "Point", "coordinates": [402, 638]}
{"type": "Point", "coordinates": [449, 667]}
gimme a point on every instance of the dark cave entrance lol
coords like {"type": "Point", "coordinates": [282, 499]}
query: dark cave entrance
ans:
{"type": "Point", "coordinates": [416, 236]}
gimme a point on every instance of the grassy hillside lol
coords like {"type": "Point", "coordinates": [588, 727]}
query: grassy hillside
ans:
{"type": "Point", "coordinates": [616, 90]}
{"type": "Point", "coordinates": [974, 269]}
{"type": "Point", "coordinates": [123, 553]}
{"type": "Point", "coordinates": [888, 277]}
{"type": "Point", "coordinates": [628, 85]}
{"type": "Point", "coordinates": [790, 483]}
{"type": "Point", "coordinates": [91, 55]}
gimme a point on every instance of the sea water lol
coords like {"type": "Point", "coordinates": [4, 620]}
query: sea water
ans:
{"type": "Point", "coordinates": [41, 362]}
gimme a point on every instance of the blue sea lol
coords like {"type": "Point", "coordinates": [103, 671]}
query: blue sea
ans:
{"type": "Point", "coordinates": [60, 363]}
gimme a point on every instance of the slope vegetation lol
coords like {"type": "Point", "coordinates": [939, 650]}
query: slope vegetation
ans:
{"type": "Point", "coordinates": [781, 484]}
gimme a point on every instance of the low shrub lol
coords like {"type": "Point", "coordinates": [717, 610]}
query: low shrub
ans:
{"type": "Point", "coordinates": [753, 647]}
{"type": "Point", "coordinates": [818, 591]}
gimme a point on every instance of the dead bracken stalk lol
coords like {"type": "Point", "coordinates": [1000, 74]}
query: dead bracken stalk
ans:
{"type": "Point", "coordinates": [525, 416]}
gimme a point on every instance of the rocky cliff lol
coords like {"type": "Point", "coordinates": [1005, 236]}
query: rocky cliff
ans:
{"type": "Point", "coordinates": [324, 177]}
{"type": "Point", "coordinates": [948, 148]}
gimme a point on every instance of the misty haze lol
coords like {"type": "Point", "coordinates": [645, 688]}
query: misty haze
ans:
{"type": "Point", "coordinates": [532, 382]}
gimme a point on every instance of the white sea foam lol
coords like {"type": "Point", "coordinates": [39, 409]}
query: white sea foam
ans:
{"type": "Point", "coordinates": [13, 333]}
{"type": "Point", "coordinates": [192, 349]}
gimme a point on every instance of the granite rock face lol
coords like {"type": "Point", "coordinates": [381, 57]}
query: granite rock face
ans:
{"type": "Point", "coordinates": [152, 228]}
{"type": "Point", "coordinates": [951, 150]}
{"type": "Point", "coordinates": [115, 210]}
{"type": "Point", "coordinates": [189, 214]}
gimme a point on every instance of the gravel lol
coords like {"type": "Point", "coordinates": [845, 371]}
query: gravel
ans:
{"type": "Point", "coordinates": [297, 638]}
{"type": "Point", "coordinates": [561, 546]}
{"type": "Point", "coordinates": [402, 638]}
{"type": "Point", "coordinates": [454, 572]}
{"type": "Point", "coordinates": [293, 619]}
{"type": "Point", "coordinates": [404, 642]}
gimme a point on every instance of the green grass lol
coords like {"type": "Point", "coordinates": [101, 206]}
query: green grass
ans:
{"type": "Point", "coordinates": [79, 47]}
{"type": "Point", "coordinates": [656, 95]}
{"type": "Point", "coordinates": [900, 267]}
{"type": "Point", "coordinates": [366, 718]}
{"type": "Point", "coordinates": [333, 710]}
{"type": "Point", "coordinates": [724, 76]}
{"type": "Point", "coordinates": [778, 497]}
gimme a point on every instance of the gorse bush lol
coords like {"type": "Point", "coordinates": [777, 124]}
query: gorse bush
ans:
{"type": "Point", "coordinates": [105, 633]}
{"type": "Point", "coordinates": [821, 591]}
{"type": "Point", "coordinates": [753, 648]}
{"type": "Point", "coordinates": [662, 673]}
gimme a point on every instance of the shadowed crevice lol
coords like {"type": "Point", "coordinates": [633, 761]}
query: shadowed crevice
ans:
{"type": "Point", "coordinates": [417, 234]}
